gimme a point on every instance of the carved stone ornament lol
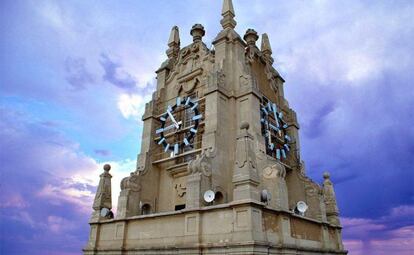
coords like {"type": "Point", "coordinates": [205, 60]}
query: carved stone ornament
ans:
{"type": "Point", "coordinates": [189, 86]}
{"type": "Point", "coordinates": [201, 164]}
{"type": "Point", "coordinates": [142, 164]}
{"type": "Point", "coordinates": [180, 189]}
{"type": "Point", "coordinates": [245, 153]}
{"type": "Point", "coordinates": [245, 80]}
{"type": "Point", "coordinates": [275, 171]}
{"type": "Point", "coordinates": [131, 183]}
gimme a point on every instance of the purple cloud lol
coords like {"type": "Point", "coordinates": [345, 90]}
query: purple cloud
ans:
{"type": "Point", "coordinates": [77, 74]}
{"type": "Point", "coordinates": [114, 74]}
{"type": "Point", "coordinates": [40, 196]}
{"type": "Point", "coordinates": [101, 152]}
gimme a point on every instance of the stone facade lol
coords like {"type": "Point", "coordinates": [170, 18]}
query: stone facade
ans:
{"type": "Point", "coordinates": [218, 121]}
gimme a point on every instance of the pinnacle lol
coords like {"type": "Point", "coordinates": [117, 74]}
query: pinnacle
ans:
{"type": "Point", "coordinates": [266, 48]}
{"type": "Point", "coordinates": [227, 7]}
{"type": "Point", "coordinates": [228, 15]}
{"type": "Point", "coordinates": [174, 37]}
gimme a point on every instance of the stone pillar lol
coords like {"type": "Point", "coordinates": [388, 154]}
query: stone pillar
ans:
{"type": "Point", "coordinates": [103, 197]}
{"type": "Point", "coordinates": [245, 177]}
{"type": "Point", "coordinates": [129, 197]}
{"type": "Point", "coordinates": [332, 212]}
{"type": "Point", "coordinates": [198, 180]}
{"type": "Point", "coordinates": [274, 181]}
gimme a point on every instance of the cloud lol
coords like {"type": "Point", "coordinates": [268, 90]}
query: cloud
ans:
{"type": "Point", "coordinates": [117, 76]}
{"type": "Point", "coordinates": [102, 152]}
{"type": "Point", "coordinates": [47, 195]}
{"type": "Point", "coordinates": [366, 236]}
{"type": "Point", "coordinates": [133, 106]}
{"type": "Point", "coordinates": [77, 74]}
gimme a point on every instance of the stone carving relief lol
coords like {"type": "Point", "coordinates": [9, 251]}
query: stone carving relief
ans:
{"type": "Point", "coordinates": [189, 86]}
{"type": "Point", "coordinates": [245, 153]}
{"type": "Point", "coordinates": [275, 171]}
{"type": "Point", "coordinates": [180, 189]}
{"type": "Point", "coordinates": [201, 164]}
{"type": "Point", "coordinates": [142, 164]}
{"type": "Point", "coordinates": [131, 183]}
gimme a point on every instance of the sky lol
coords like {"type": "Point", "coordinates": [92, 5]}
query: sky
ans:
{"type": "Point", "coordinates": [75, 77]}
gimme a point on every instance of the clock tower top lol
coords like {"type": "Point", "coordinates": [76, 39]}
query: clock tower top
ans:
{"type": "Point", "coordinates": [219, 135]}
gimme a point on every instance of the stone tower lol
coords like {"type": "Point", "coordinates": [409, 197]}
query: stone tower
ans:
{"type": "Point", "coordinates": [219, 170]}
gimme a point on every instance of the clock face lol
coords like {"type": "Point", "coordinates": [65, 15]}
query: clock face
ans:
{"type": "Point", "coordinates": [274, 129]}
{"type": "Point", "coordinates": [179, 125]}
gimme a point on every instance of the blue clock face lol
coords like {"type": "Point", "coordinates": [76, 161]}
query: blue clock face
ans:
{"type": "Point", "coordinates": [172, 122]}
{"type": "Point", "coordinates": [274, 130]}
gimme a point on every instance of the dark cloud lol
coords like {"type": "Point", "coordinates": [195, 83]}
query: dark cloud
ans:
{"type": "Point", "coordinates": [77, 74]}
{"type": "Point", "coordinates": [114, 75]}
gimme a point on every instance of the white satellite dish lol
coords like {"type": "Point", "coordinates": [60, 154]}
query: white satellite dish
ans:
{"type": "Point", "coordinates": [104, 212]}
{"type": "Point", "coordinates": [301, 207]}
{"type": "Point", "coordinates": [265, 196]}
{"type": "Point", "coordinates": [209, 196]}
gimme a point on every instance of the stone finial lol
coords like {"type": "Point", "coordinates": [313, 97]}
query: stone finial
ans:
{"type": "Point", "coordinates": [197, 32]}
{"type": "Point", "coordinates": [266, 48]}
{"type": "Point", "coordinates": [173, 43]}
{"type": "Point", "coordinates": [251, 37]}
{"type": "Point", "coordinates": [103, 196]}
{"type": "Point", "coordinates": [228, 15]}
{"type": "Point", "coordinates": [332, 212]}
{"type": "Point", "coordinates": [107, 167]}
{"type": "Point", "coordinates": [174, 37]}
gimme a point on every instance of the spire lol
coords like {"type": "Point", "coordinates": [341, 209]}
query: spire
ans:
{"type": "Point", "coordinates": [266, 48]}
{"type": "Point", "coordinates": [173, 43]}
{"type": "Point", "coordinates": [228, 7]}
{"type": "Point", "coordinates": [102, 203]}
{"type": "Point", "coordinates": [174, 37]}
{"type": "Point", "coordinates": [228, 15]}
{"type": "Point", "coordinates": [332, 212]}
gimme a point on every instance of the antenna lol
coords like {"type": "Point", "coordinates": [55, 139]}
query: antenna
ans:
{"type": "Point", "coordinates": [104, 212]}
{"type": "Point", "coordinates": [209, 196]}
{"type": "Point", "coordinates": [301, 208]}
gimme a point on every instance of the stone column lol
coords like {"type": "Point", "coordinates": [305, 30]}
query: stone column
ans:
{"type": "Point", "coordinates": [245, 177]}
{"type": "Point", "coordinates": [332, 212]}
{"type": "Point", "coordinates": [103, 197]}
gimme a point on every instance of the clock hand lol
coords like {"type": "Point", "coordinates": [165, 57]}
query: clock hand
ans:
{"type": "Point", "coordinates": [173, 119]}
{"type": "Point", "coordinates": [171, 126]}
